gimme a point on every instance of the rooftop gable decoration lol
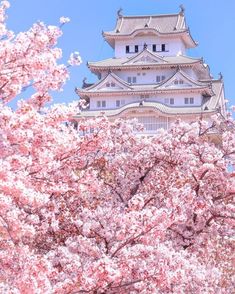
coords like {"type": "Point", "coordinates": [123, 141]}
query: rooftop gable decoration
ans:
{"type": "Point", "coordinates": [181, 80]}
{"type": "Point", "coordinates": [145, 57]}
{"type": "Point", "coordinates": [110, 83]}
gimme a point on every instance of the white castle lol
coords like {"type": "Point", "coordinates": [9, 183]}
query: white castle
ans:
{"type": "Point", "coordinates": [150, 77]}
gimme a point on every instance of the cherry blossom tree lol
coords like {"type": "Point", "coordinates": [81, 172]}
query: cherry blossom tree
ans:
{"type": "Point", "coordinates": [105, 211]}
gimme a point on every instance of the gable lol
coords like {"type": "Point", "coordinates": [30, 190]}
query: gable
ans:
{"type": "Point", "coordinates": [110, 83]}
{"type": "Point", "coordinates": [180, 80]}
{"type": "Point", "coordinates": [145, 57]}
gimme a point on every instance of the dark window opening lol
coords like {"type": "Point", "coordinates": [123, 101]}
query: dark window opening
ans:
{"type": "Point", "coordinates": [136, 48]}
{"type": "Point", "coordinates": [154, 48]}
{"type": "Point", "coordinates": [163, 47]}
{"type": "Point", "coordinates": [172, 101]}
{"type": "Point", "coordinates": [191, 100]}
{"type": "Point", "coordinates": [127, 49]}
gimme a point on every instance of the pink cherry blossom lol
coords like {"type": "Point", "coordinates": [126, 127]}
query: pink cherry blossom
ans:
{"type": "Point", "coordinates": [64, 20]}
{"type": "Point", "coordinates": [75, 59]}
{"type": "Point", "coordinates": [106, 211]}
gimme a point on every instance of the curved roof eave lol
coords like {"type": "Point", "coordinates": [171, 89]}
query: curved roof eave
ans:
{"type": "Point", "coordinates": [110, 74]}
{"type": "Point", "coordinates": [108, 63]}
{"type": "Point", "coordinates": [139, 91]}
{"type": "Point", "coordinates": [114, 35]}
{"type": "Point", "coordinates": [157, 106]}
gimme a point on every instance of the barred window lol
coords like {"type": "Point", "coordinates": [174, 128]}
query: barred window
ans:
{"type": "Point", "coordinates": [101, 104]}
{"type": "Point", "coordinates": [158, 79]}
{"type": "Point", "coordinates": [152, 123]}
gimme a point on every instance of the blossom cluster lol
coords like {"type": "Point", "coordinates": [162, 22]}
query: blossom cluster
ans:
{"type": "Point", "coordinates": [89, 207]}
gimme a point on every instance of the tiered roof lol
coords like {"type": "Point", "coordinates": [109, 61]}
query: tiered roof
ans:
{"type": "Point", "coordinates": [164, 25]}
{"type": "Point", "coordinates": [122, 87]}
{"type": "Point", "coordinates": [169, 25]}
{"type": "Point", "coordinates": [116, 63]}
{"type": "Point", "coordinates": [151, 60]}
{"type": "Point", "coordinates": [209, 106]}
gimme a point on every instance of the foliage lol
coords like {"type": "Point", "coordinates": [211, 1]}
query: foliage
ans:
{"type": "Point", "coordinates": [105, 211]}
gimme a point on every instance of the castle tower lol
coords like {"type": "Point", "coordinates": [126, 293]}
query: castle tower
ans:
{"type": "Point", "coordinates": [150, 77]}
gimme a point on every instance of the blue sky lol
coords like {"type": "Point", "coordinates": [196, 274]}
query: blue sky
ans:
{"type": "Point", "coordinates": [211, 22]}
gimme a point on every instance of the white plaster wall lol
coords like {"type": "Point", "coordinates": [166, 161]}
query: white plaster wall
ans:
{"type": "Point", "coordinates": [148, 76]}
{"type": "Point", "coordinates": [110, 101]}
{"type": "Point", "coordinates": [145, 76]}
{"type": "Point", "coordinates": [175, 46]}
{"type": "Point", "coordinates": [178, 100]}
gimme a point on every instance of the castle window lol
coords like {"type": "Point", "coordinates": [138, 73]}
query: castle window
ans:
{"type": "Point", "coordinates": [120, 103]}
{"type": "Point", "coordinates": [152, 123]}
{"type": "Point", "coordinates": [154, 48]}
{"type": "Point", "coordinates": [176, 82]}
{"type": "Point", "coordinates": [181, 82]}
{"type": "Point", "coordinates": [136, 48]}
{"type": "Point", "coordinates": [144, 96]}
{"type": "Point", "coordinates": [107, 85]}
{"type": "Point", "coordinates": [163, 47]}
{"type": "Point", "coordinates": [189, 100]}
{"type": "Point", "coordinates": [172, 101]}
{"type": "Point", "coordinates": [131, 80]}
{"type": "Point", "coordinates": [101, 104]}
{"type": "Point", "coordinates": [112, 84]}
{"type": "Point", "coordinates": [127, 49]}
{"type": "Point", "coordinates": [158, 79]}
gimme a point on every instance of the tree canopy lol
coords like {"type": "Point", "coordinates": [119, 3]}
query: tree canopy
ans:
{"type": "Point", "coordinates": [105, 211]}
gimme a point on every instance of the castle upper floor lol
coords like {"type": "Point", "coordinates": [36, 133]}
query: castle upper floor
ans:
{"type": "Point", "coordinates": [166, 35]}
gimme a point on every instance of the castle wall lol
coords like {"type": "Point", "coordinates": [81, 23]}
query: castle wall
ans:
{"type": "Point", "coordinates": [110, 101]}
{"type": "Point", "coordinates": [173, 46]}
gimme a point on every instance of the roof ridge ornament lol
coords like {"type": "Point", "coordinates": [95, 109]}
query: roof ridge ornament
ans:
{"type": "Point", "coordinates": [220, 76]}
{"type": "Point", "coordinates": [145, 46]}
{"type": "Point", "coordinates": [119, 12]}
{"type": "Point", "coordinates": [182, 9]}
{"type": "Point", "coordinates": [148, 22]}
